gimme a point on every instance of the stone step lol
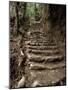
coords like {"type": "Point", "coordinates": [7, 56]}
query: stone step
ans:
{"type": "Point", "coordinates": [36, 42]}
{"type": "Point", "coordinates": [40, 44]}
{"type": "Point", "coordinates": [44, 52]}
{"type": "Point", "coordinates": [39, 41]}
{"type": "Point", "coordinates": [38, 38]}
{"type": "Point", "coordinates": [37, 31]}
{"type": "Point", "coordinates": [42, 47]}
{"type": "Point", "coordinates": [40, 58]}
{"type": "Point", "coordinates": [39, 66]}
{"type": "Point", "coordinates": [39, 35]}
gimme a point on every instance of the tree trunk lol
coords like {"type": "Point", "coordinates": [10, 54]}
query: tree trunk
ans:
{"type": "Point", "coordinates": [24, 11]}
{"type": "Point", "coordinates": [45, 17]}
{"type": "Point", "coordinates": [17, 18]}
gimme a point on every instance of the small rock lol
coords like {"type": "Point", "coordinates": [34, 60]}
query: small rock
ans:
{"type": "Point", "coordinates": [21, 82]}
{"type": "Point", "coordinates": [35, 83]}
{"type": "Point", "coordinates": [22, 53]}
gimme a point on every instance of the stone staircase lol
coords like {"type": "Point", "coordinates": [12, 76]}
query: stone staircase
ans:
{"type": "Point", "coordinates": [46, 60]}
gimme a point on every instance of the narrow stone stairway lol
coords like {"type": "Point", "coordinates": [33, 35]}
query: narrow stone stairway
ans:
{"type": "Point", "coordinates": [46, 60]}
